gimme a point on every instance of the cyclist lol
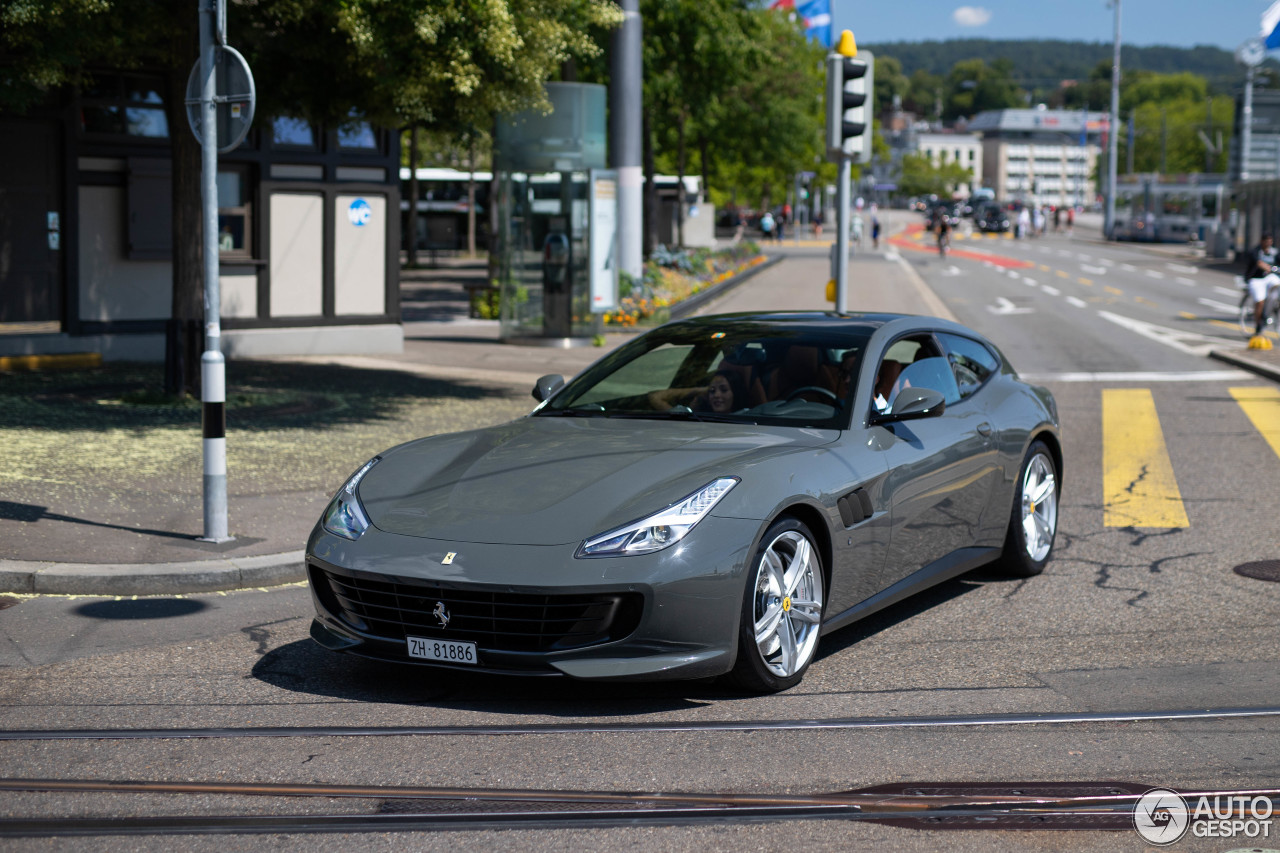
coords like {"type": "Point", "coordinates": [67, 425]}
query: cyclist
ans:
{"type": "Point", "coordinates": [943, 229]}
{"type": "Point", "coordinates": [1262, 279]}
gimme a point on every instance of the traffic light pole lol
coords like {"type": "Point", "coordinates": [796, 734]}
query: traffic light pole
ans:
{"type": "Point", "coordinates": [843, 206]}
{"type": "Point", "coordinates": [850, 98]}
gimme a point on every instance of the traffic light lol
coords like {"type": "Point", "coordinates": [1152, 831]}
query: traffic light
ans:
{"type": "Point", "coordinates": [850, 96]}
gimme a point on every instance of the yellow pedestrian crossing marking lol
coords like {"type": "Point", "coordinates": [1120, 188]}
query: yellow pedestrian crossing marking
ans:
{"type": "Point", "coordinates": [1262, 405]}
{"type": "Point", "coordinates": [1138, 485]}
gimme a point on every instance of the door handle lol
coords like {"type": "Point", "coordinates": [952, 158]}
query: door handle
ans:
{"type": "Point", "coordinates": [984, 429]}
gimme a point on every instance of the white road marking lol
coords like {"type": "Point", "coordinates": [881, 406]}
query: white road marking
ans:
{"type": "Point", "coordinates": [1154, 273]}
{"type": "Point", "coordinates": [1079, 303]}
{"type": "Point", "coordinates": [1219, 306]}
{"type": "Point", "coordinates": [1188, 342]}
{"type": "Point", "coordinates": [1005, 306]}
{"type": "Point", "coordinates": [1227, 291]}
{"type": "Point", "coordinates": [1106, 262]}
{"type": "Point", "coordinates": [1064, 253]}
{"type": "Point", "coordinates": [1091, 270]}
{"type": "Point", "coordinates": [1183, 268]}
{"type": "Point", "coordinates": [1187, 281]}
{"type": "Point", "coordinates": [891, 256]}
{"type": "Point", "coordinates": [1082, 256]}
{"type": "Point", "coordinates": [1029, 281]}
{"type": "Point", "coordinates": [1128, 268]}
{"type": "Point", "coordinates": [1013, 274]}
{"type": "Point", "coordinates": [1052, 291]}
{"type": "Point", "coordinates": [1192, 376]}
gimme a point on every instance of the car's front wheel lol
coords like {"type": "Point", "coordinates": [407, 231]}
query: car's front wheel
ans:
{"type": "Point", "coordinates": [781, 609]}
{"type": "Point", "coordinates": [1034, 520]}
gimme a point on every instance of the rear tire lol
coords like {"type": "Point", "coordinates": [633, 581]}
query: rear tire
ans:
{"type": "Point", "coordinates": [782, 608]}
{"type": "Point", "coordinates": [1033, 522]}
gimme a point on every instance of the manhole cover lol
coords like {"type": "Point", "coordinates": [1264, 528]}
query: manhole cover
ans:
{"type": "Point", "coordinates": [1263, 570]}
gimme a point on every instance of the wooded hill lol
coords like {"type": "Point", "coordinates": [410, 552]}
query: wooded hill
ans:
{"type": "Point", "coordinates": [1042, 65]}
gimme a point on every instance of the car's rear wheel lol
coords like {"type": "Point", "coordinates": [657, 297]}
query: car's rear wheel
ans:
{"type": "Point", "coordinates": [1034, 520]}
{"type": "Point", "coordinates": [781, 609]}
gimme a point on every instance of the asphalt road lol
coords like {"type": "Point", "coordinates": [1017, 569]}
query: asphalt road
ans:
{"type": "Point", "coordinates": [1125, 618]}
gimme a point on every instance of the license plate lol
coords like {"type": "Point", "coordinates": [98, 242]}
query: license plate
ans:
{"type": "Point", "coordinates": [444, 650]}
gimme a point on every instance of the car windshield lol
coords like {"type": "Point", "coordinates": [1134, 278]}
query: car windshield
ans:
{"type": "Point", "coordinates": [739, 371]}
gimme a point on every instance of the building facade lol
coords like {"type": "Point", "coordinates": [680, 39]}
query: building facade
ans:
{"type": "Point", "coordinates": [308, 230]}
{"type": "Point", "coordinates": [1041, 156]}
{"type": "Point", "coordinates": [961, 148]}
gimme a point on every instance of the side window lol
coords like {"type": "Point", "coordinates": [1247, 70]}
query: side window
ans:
{"type": "Point", "coordinates": [932, 373]}
{"type": "Point", "coordinates": [971, 362]}
{"type": "Point", "coordinates": [902, 356]}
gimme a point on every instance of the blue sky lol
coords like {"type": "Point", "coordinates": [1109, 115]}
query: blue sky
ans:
{"type": "Point", "coordinates": [1181, 23]}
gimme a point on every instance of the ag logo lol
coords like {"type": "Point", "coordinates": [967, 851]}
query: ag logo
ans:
{"type": "Point", "coordinates": [1161, 816]}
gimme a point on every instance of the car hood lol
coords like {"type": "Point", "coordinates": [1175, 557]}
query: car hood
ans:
{"type": "Point", "coordinates": [555, 480]}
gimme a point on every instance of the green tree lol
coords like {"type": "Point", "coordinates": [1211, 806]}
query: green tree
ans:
{"type": "Point", "coordinates": [973, 86]}
{"type": "Point", "coordinates": [921, 177]}
{"type": "Point", "coordinates": [890, 83]}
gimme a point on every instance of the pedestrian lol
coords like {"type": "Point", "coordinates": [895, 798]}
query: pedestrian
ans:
{"type": "Point", "coordinates": [817, 223]}
{"type": "Point", "coordinates": [781, 220]}
{"type": "Point", "coordinates": [1038, 218]}
{"type": "Point", "coordinates": [875, 228]}
{"type": "Point", "coordinates": [1024, 222]}
{"type": "Point", "coordinates": [1057, 219]}
{"type": "Point", "coordinates": [766, 225]}
{"type": "Point", "coordinates": [855, 226]}
{"type": "Point", "coordinates": [1071, 219]}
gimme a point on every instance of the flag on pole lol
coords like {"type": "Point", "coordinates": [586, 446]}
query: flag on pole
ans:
{"type": "Point", "coordinates": [816, 15]}
{"type": "Point", "coordinates": [1271, 26]}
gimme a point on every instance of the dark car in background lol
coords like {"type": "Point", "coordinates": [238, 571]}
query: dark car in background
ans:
{"type": "Point", "coordinates": [710, 498]}
{"type": "Point", "coordinates": [992, 218]}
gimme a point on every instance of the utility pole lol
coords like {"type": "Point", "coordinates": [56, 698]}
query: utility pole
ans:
{"type": "Point", "coordinates": [626, 135]}
{"type": "Point", "coordinates": [1113, 129]}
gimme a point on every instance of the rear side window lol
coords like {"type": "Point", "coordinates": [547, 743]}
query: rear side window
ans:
{"type": "Point", "coordinates": [971, 362]}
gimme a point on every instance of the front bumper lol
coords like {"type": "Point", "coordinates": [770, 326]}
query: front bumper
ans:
{"type": "Point", "coordinates": [672, 614]}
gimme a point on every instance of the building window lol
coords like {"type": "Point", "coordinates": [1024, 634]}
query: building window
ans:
{"type": "Point", "coordinates": [124, 105]}
{"type": "Point", "coordinates": [289, 132]}
{"type": "Point", "coordinates": [357, 135]}
{"type": "Point", "coordinates": [235, 223]}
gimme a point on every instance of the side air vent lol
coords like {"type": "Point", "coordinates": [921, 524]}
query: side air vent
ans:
{"type": "Point", "coordinates": [855, 507]}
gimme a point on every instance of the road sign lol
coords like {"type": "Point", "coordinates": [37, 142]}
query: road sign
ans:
{"type": "Point", "coordinates": [235, 98]}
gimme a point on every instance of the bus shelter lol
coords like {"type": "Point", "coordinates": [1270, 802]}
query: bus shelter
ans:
{"type": "Point", "coordinates": [557, 214]}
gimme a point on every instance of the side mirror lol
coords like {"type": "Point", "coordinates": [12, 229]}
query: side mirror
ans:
{"type": "Point", "coordinates": [915, 403]}
{"type": "Point", "coordinates": [547, 385]}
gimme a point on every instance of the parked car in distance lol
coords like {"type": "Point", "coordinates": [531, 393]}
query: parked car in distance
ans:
{"type": "Point", "coordinates": [992, 218]}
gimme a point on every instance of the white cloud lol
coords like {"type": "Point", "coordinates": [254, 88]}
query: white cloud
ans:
{"type": "Point", "coordinates": [971, 16]}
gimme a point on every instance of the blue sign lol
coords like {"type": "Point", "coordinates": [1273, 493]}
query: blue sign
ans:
{"type": "Point", "coordinates": [359, 212]}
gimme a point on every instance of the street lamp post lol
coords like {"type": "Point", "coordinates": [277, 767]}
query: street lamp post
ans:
{"type": "Point", "coordinates": [1112, 127]}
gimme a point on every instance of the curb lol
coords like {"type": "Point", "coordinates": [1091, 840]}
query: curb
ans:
{"type": "Point", "coordinates": [151, 578]}
{"type": "Point", "coordinates": [1266, 371]}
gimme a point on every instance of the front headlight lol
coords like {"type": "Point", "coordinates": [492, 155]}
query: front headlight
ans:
{"type": "Point", "coordinates": [661, 529]}
{"type": "Point", "coordinates": [345, 516]}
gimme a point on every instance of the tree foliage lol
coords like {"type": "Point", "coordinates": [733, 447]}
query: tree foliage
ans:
{"type": "Point", "coordinates": [921, 178]}
{"type": "Point", "coordinates": [441, 64]}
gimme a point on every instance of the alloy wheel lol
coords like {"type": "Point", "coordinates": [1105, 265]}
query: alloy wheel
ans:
{"type": "Point", "coordinates": [788, 600]}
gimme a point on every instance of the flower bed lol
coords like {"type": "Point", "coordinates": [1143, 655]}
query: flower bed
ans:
{"type": "Point", "coordinates": [672, 277]}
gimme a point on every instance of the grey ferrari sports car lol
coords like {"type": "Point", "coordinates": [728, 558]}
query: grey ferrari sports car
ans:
{"type": "Point", "coordinates": [710, 498]}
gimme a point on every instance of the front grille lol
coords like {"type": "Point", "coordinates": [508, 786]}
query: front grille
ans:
{"type": "Point", "coordinates": [504, 620]}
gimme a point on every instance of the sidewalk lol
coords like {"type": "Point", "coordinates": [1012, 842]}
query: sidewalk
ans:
{"type": "Point", "coordinates": [96, 505]}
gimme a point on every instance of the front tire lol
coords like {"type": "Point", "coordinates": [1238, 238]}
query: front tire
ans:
{"type": "Point", "coordinates": [781, 610]}
{"type": "Point", "coordinates": [1034, 520]}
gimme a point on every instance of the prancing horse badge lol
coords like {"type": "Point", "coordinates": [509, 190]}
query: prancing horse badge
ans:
{"type": "Point", "coordinates": [448, 558]}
